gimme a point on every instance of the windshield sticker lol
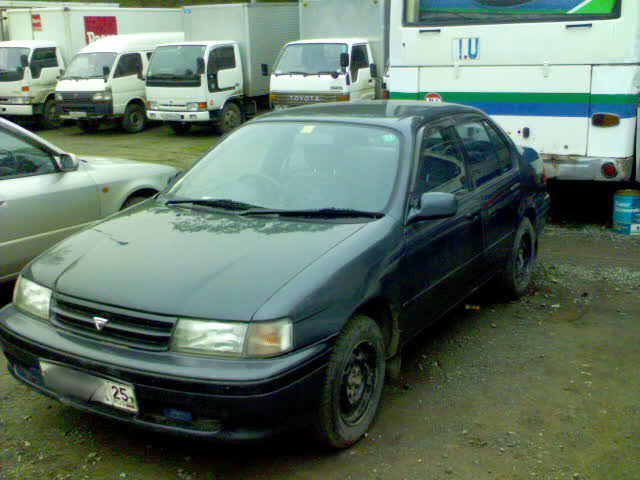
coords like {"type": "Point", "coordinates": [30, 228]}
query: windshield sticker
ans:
{"type": "Point", "coordinates": [552, 7]}
{"type": "Point", "coordinates": [308, 129]}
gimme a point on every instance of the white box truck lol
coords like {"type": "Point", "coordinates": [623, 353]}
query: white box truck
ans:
{"type": "Point", "coordinates": [43, 41]}
{"type": "Point", "coordinates": [222, 69]}
{"type": "Point", "coordinates": [342, 54]}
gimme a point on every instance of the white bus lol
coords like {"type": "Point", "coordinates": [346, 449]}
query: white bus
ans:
{"type": "Point", "coordinates": [561, 76]}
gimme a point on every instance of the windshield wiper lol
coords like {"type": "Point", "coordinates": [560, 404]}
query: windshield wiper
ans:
{"type": "Point", "coordinates": [297, 73]}
{"type": "Point", "coordinates": [223, 203]}
{"type": "Point", "coordinates": [319, 212]}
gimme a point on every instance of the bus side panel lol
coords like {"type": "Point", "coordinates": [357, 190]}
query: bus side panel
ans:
{"type": "Point", "coordinates": [614, 90]}
{"type": "Point", "coordinates": [545, 108]}
{"type": "Point", "coordinates": [403, 83]}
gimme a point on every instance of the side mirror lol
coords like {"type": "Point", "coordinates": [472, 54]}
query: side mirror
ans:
{"type": "Point", "coordinates": [434, 206]}
{"type": "Point", "coordinates": [373, 68]}
{"type": "Point", "coordinates": [344, 60]}
{"type": "Point", "coordinates": [106, 71]}
{"type": "Point", "coordinates": [24, 61]}
{"type": "Point", "coordinates": [141, 77]}
{"type": "Point", "coordinates": [61, 74]}
{"type": "Point", "coordinates": [174, 178]}
{"type": "Point", "coordinates": [200, 64]}
{"type": "Point", "coordinates": [335, 75]}
{"type": "Point", "coordinates": [67, 162]}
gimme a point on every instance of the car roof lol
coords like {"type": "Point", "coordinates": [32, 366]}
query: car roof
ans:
{"type": "Point", "coordinates": [28, 44]}
{"type": "Point", "coordinates": [388, 112]}
{"type": "Point", "coordinates": [132, 42]}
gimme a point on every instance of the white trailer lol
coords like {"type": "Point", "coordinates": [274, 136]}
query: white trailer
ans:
{"type": "Point", "coordinates": [45, 39]}
{"type": "Point", "coordinates": [561, 76]}
{"type": "Point", "coordinates": [342, 54]}
{"type": "Point", "coordinates": [223, 66]}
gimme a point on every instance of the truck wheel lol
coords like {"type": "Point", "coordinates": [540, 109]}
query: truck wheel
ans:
{"type": "Point", "coordinates": [230, 118]}
{"type": "Point", "coordinates": [89, 126]}
{"type": "Point", "coordinates": [50, 119]}
{"type": "Point", "coordinates": [353, 384]}
{"type": "Point", "coordinates": [180, 128]}
{"type": "Point", "coordinates": [517, 275]}
{"type": "Point", "coordinates": [135, 118]}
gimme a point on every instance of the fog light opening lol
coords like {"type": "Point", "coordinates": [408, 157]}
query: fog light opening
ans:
{"type": "Point", "coordinates": [609, 170]}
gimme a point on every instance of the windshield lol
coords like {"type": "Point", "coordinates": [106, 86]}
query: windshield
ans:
{"type": "Point", "coordinates": [90, 65]}
{"type": "Point", "coordinates": [175, 66]}
{"type": "Point", "coordinates": [298, 166]}
{"type": "Point", "coordinates": [311, 58]}
{"type": "Point", "coordinates": [426, 12]}
{"type": "Point", "coordinates": [11, 69]}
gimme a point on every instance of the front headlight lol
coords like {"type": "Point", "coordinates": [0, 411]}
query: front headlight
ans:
{"type": "Point", "coordinates": [196, 106]}
{"type": "Point", "coordinates": [59, 97]}
{"type": "Point", "coordinates": [102, 96]}
{"type": "Point", "coordinates": [32, 298]}
{"type": "Point", "coordinates": [203, 337]}
{"type": "Point", "coordinates": [20, 100]}
{"type": "Point", "coordinates": [152, 105]}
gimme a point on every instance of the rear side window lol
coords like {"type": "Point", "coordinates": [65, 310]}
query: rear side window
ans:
{"type": "Point", "coordinates": [501, 148]}
{"type": "Point", "coordinates": [129, 64]}
{"type": "Point", "coordinates": [480, 150]}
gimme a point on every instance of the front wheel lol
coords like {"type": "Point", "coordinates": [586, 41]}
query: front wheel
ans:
{"type": "Point", "coordinates": [135, 118]}
{"type": "Point", "coordinates": [49, 119]}
{"type": "Point", "coordinates": [353, 384]}
{"type": "Point", "coordinates": [517, 275]}
{"type": "Point", "coordinates": [230, 118]}
{"type": "Point", "coordinates": [180, 128]}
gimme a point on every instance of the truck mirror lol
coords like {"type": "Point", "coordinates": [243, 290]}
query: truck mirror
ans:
{"type": "Point", "coordinates": [105, 71]}
{"type": "Point", "coordinates": [344, 60]}
{"type": "Point", "coordinates": [200, 64]}
{"type": "Point", "coordinates": [373, 68]}
{"type": "Point", "coordinates": [24, 61]}
{"type": "Point", "coordinates": [335, 75]}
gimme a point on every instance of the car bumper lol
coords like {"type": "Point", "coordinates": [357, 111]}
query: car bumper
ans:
{"type": "Point", "coordinates": [586, 168]}
{"type": "Point", "coordinates": [84, 110]}
{"type": "Point", "coordinates": [16, 110]}
{"type": "Point", "coordinates": [272, 395]}
{"type": "Point", "coordinates": [186, 117]}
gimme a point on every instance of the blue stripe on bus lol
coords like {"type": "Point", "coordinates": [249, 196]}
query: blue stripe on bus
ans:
{"type": "Point", "coordinates": [573, 110]}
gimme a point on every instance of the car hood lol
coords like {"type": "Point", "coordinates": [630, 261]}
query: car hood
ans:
{"type": "Point", "coordinates": [185, 262]}
{"type": "Point", "coordinates": [107, 160]}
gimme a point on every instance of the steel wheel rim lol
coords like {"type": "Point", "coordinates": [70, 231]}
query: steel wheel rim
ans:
{"type": "Point", "coordinates": [231, 118]}
{"type": "Point", "coordinates": [358, 383]}
{"type": "Point", "coordinates": [135, 119]}
{"type": "Point", "coordinates": [51, 114]}
{"type": "Point", "coordinates": [524, 259]}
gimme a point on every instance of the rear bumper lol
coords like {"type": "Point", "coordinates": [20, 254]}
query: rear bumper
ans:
{"type": "Point", "coordinates": [586, 168]}
{"type": "Point", "coordinates": [220, 409]}
{"type": "Point", "coordinates": [16, 110]}
{"type": "Point", "coordinates": [183, 117]}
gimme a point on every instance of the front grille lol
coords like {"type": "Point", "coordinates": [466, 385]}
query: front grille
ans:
{"type": "Point", "coordinates": [76, 96]}
{"type": "Point", "coordinates": [126, 327]}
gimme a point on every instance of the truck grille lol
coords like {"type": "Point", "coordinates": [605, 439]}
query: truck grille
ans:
{"type": "Point", "coordinates": [126, 327]}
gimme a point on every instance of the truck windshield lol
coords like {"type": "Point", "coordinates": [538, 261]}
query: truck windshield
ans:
{"type": "Point", "coordinates": [90, 65]}
{"type": "Point", "coordinates": [297, 166]}
{"type": "Point", "coordinates": [11, 69]}
{"type": "Point", "coordinates": [310, 59]}
{"type": "Point", "coordinates": [175, 66]}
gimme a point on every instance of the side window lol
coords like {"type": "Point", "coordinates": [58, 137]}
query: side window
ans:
{"type": "Point", "coordinates": [481, 156]}
{"type": "Point", "coordinates": [129, 64]}
{"type": "Point", "coordinates": [441, 165]}
{"type": "Point", "coordinates": [43, 58]}
{"type": "Point", "coordinates": [501, 148]}
{"type": "Point", "coordinates": [222, 58]}
{"type": "Point", "coordinates": [19, 158]}
{"type": "Point", "coordinates": [359, 59]}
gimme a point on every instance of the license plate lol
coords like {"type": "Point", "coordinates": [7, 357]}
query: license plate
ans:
{"type": "Point", "coordinates": [89, 388]}
{"type": "Point", "coordinates": [171, 116]}
{"type": "Point", "coordinates": [77, 114]}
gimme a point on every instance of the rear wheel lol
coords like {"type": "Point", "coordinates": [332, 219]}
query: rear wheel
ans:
{"type": "Point", "coordinates": [517, 275]}
{"type": "Point", "coordinates": [135, 118]}
{"type": "Point", "coordinates": [49, 119]}
{"type": "Point", "coordinates": [89, 126]}
{"type": "Point", "coordinates": [353, 384]}
{"type": "Point", "coordinates": [230, 118]}
{"type": "Point", "coordinates": [180, 128]}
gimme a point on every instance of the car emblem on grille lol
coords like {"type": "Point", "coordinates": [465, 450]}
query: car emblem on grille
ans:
{"type": "Point", "coordinates": [100, 322]}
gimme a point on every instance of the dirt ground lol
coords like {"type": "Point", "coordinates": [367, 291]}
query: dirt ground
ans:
{"type": "Point", "coordinates": [543, 388]}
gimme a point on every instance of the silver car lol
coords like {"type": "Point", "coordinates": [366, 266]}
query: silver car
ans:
{"type": "Point", "coordinates": [47, 194]}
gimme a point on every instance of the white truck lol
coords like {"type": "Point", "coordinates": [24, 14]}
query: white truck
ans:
{"type": "Point", "coordinates": [221, 71]}
{"type": "Point", "coordinates": [342, 54]}
{"type": "Point", "coordinates": [44, 40]}
{"type": "Point", "coordinates": [560, 76]}
{"type": "Point", "coordinates": [105, 82]}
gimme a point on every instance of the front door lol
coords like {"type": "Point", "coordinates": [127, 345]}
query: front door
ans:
{"type": "Point", "coordinates": [363, 85]}
{"type": "Point", "coordinates": [223, 58]}
{"type": "Point", "coordinates": [443, 256]}
{"type": "Point", "coordinates": [126, 83]}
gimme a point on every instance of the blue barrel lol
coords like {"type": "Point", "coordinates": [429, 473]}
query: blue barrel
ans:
{"type": "Point", "coordinates": [626, 212]}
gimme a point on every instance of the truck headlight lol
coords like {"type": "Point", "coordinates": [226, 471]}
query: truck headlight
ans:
{"type": "Point", "coordinates": [59, 97]}
{"type": "Point", "coordinates": [227, 339]}
{"type": "Point", "coordinates": [196, 106]}
{"type": "Point", "coordinates": [32, 299]}
{"type": "Point", "coordinates": [102, 96]}
{"type": "Point", "coordinates": [20, 100]}
{"type": "Point", "coordinates": [152, 105]}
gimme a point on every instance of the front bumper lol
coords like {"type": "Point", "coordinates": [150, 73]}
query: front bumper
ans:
{"type": "Point", "coordinates": [195, 117]}
{"type": "Point", "coordinates": [84, 110]}
{"type": "Point", "coordinates": [267, 397]}
{"type": "Point", "coordinates": [586, 168]}
{"type": "Point", "coordinates": [16, 110]}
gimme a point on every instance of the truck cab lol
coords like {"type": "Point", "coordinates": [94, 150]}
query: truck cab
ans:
{"type": "Point", "coordinates": [324, 70]}
{"type": "Point", "coordinates": [105, 82]}
{"type": "Point", "coordinates": [196, 83]}
{"type": "Point", "coordinates": [29, 70]}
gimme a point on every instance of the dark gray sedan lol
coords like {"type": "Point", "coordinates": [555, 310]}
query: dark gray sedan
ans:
{"type": "Point", "coordinates": [269, 286]}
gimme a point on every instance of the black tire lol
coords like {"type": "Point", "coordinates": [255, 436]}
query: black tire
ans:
{"type": "Point", "coordinates": [131, 201]}
{"type": "Point", "coordinates": [180, 128]}
{"type": "Point", "coordinates": [50, 120]}
{"type": "Point", "coordinates": [516, 277]}
{"type": "Point", "coordinates": [89, 126]}
{"type": "Point", "coordinates": [353, 384]}
{"type": "Point", "coordinates": [135, 118]}
{"type": "Point", "coordinates": [230, 118]}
